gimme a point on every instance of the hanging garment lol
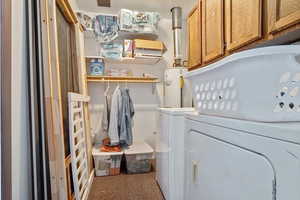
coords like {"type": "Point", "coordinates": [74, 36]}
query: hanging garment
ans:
{"type": "Point", "coordinates": [106, 115]}
{"type": "Point", "coordinates": [126, 116]}
{"type": "Point", "coordinates": [115, 121]}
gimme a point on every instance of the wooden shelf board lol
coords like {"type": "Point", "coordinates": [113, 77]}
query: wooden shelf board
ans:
{"type": "Point", "coordinates": [129, 79]}
{"type": "Point", "coordinates": [142, 60]}
{"type": "Point", "coordinates": [126, 35]}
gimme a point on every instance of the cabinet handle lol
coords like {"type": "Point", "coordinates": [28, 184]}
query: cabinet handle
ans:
{"type": "Point", "coordinates": [195, 171]}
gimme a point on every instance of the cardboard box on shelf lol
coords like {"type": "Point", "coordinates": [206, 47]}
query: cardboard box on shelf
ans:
{"type": "Point", "coordinates": [148, 48]}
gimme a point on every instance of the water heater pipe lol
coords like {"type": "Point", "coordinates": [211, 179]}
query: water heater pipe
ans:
{"type": "Point", "coordinates": [176, 27]}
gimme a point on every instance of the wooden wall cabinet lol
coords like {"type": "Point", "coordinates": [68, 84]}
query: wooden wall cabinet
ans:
{"type": "Point", "coordinates": [282, 14]}
{"type": "Point", "coordinates": [194, 35]}
{"type": "Point", "coordinates": [212, 29]}
{"type": "Point", "coordinates": [228, 26]}
{"type": "Point", "coordinates": [243, 22]}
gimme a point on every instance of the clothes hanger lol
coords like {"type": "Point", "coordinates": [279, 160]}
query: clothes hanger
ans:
{"type": "Point", "coordinates": [107, 88]}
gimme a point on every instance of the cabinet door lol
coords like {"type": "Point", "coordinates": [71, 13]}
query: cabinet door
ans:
{"type": "Point", "coordinates": [282, 14]}
{"type": "Point", "coordinates": [213, 29]}
{"type": "Point", "coordinates": [243, 22]}
{"type": "Point", "coordinates": [194, 33]}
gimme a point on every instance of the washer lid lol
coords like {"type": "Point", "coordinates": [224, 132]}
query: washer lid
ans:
{"type": "Point", "coordinates": [283, 131]}
{"type": "Point", "coordinates": [138, 148]}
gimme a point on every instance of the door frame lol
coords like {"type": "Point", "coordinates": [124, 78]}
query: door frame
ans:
{"type": "Point", "coordinates": [5, 99]}
{"type": "Point", "coordinates": [52, 96]}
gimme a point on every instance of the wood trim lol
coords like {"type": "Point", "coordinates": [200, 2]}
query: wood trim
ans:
{"type": "Point", "coordinates": [68, 166]}
{"type": "Point", "coordinates": [221, 51]}
{"type": "Point", "coordinates": [285, 35]}
{"type": "Point", "coordinates": [6, 73]}
{"type": "Point", "coordinates": [83, 88]}
{"type": "Point", "coordinates": [68, 161]}
{"type": "Point", "coordinates": [53, 107]}
{"type": "Point", "coordinates": [199, 7]}
{"type": "Point", "coordinates": [124, 79]}
{"type": "Point", "coordinates": [78, 145]}
{"type": "Point", "coordinates": [81, 28]}
{"type": "Point", "coordinates": [91, 180]}
{"type": "Point", "coordinates": [67, 11]}
{"type": "Point", "coordinates": [194, 9]}
{"type": "Point", "coordinates": [275, 24]}
{"type": "Point", "coordinates": [287, 21]}
{"type": "Point", "coordinates": [231, 45]}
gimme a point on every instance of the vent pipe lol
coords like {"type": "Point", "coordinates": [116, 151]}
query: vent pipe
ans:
{"type": "Point", "coordinates": [176, 27]}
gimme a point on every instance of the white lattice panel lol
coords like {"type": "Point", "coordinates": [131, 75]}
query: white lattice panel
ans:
{"type": "Point", "coordinates": [78, 145]}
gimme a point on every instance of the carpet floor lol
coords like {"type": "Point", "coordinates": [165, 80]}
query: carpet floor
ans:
{"type": "Point", "coordinates": [126, 187]}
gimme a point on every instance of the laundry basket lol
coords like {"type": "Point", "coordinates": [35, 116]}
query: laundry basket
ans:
{"type": "Point", "coordinates": [260, 85]}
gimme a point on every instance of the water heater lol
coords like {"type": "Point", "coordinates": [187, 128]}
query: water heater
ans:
{"type": "Point", "coordinates": [177, 92]}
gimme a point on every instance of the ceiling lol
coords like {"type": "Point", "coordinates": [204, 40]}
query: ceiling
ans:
{"type": "Point", "coordinates": [161, 6]}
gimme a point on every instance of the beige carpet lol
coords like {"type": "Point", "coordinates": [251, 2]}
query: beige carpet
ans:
{"type": "Point", "coordinates": [126, 187]}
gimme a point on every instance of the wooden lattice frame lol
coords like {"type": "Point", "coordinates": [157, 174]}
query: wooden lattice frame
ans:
{"type": "Point", "coordinates": [79, 158]}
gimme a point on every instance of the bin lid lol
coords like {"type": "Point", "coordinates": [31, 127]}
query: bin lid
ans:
{"type": "Point", "coordinates": [96, 152]}
{"type": "Point", "coordinates": [138, 148]}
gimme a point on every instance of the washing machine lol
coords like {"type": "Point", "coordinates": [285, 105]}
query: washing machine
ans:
{"type": "Point", "coordinates": [230, 159]}
{"type": "Point", "coordinates": [170, 152]}
{"type": "Point", "coordinates": [245, 142]}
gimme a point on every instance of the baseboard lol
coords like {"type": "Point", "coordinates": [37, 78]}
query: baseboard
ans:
{"type": "Point", "coordinates": [91, 179]}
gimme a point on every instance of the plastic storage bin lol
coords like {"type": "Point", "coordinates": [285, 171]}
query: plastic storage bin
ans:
{"type": "Point", "coordinates": [260, 85]}
{"type": "Point", "coordinates": [107, 163]}
{"type": "Point", "coordinates": [138, 158]}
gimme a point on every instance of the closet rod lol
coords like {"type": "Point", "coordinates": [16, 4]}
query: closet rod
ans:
{"type": "Point", "coordinates": [105, 79]}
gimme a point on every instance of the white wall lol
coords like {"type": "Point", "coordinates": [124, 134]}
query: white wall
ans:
{"type": "Point", "coordinates": [21, 175]}
{"type": "Point", "coordinates": [153, 5]}
{"type": "Point", "coordinates": [146, 103]}
{"type": "Point", "coordinates": [74, 4]}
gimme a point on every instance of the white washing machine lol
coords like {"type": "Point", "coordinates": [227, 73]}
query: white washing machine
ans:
{"type": "Point", "coordinates": [229, 159]}
{"type": "Point", "coordinates": [245, 143]}
{"type": "Point", "coordinates": [170, 152]}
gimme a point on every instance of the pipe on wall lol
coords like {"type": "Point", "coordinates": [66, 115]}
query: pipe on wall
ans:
{"type": "Point", "coordinates": [176, 27]}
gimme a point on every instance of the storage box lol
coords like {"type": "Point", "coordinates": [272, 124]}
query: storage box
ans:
{"type": "Point", "coordinates": [128, 48]}
{"type": "Point", "coordinates": [138, 158]}
{"type": "Point", "coordinates": [148, 48]}
{"type": "Point", "coordinates": [107, 163]}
